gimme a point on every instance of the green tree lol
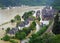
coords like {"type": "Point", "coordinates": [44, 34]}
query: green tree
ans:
{"type": "Point", "coordinates": [56, 26]}
{"type": "Point", "coordinates": [26, 30]}
{"type": "Point", "coordinates": [6, 38]}
{"type": "Point", "coordinates": [7, 29]}
{"type": "Point", "coordinates": [33, 25]}
{"type": "Point", "coordinates": [55, 39]}
{"type": "Point", "coordinates": [13, 41]}
{"type": "Point", "coordinates": [46, 38]}
{"type": "Point", "coordinates": [12, 21]}
{"type": "Point", "coordinates": [17, 18]}
{"type": "Point", "coordinates": [56, 19]}
{"type": "Point", "coordinates": [27, 14]}
{"type": "Point", "coordinates": [20, 35]}
{"type": "Point", "coordinates": [33, 38]}
{"type": "Point", "coordinates": [42, 30]}
{"type": "Point", "coordinates": [38, 18]}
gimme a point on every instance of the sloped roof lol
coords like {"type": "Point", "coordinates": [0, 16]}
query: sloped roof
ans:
{"type": "Point", "coordinates": [26, 22]}
{"type": "Point", "coordinates": [47, 13]}
{"type": "Point", "coordinates": [30, 19]}
{"type": "Point", "coordinates": [22, 24]}
{"type": "Point", "coordinates": [13, 31]}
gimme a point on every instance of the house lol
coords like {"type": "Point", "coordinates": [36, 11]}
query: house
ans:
{"type": "Point", "coordinates": [47, 13]}
{"type": "Point", "coordinates": [13, 30]}
{"type": "Point", "coordinates": [20, 27]}
{"type": "Point", "coordinates": [23, 24]}
{"type": "Point", "coordinates": [42, 23]}
{"type": "Point", "coordinates": [27, 24]}
{"type": "Point", "coordinates": [30, 19]}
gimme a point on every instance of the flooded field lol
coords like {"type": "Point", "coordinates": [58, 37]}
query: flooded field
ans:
{"type": "Point", "coordinates": [7, 14]}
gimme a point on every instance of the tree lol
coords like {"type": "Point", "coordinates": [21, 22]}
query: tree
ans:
{"type": "Point", "coordinates": [20, 35]}
{"type": "Point", "coordinates": [56, 19]}
{"type": "Point", "coordinates": [26, 30]}
{"type": "Point", "coordinates": [6, 38]}
{"type": "Point", "coordinates": [12, 21]}
{"type": "Point", "coordinates": [27, 14]}
{"type": "Point", "coordinates": [56, 26]}
{"type": "Point", "coordinates": [33, 38]}
{"type": "Point", "coordinates": [7, 29]}
{"type": "Point", "coordinates": [42, 30]}
{"type": "Point", "coordinates": [13, 41]}
{"type": "Point", "coordinates": [46, 38]}
{"type": "Point", "coordinates": [33, 25]}
{"type": "Point", "coordinates": [38, 18]}
{"type": "Point", "coordinates": [17, 18]}
{"type": "Point", "coordinates": [55, 39]}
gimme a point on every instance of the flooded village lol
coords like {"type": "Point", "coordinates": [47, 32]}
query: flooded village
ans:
{"type": "Point", "coordinates": [6, 15]}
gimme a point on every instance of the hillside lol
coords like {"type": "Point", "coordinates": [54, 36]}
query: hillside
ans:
{"type": "Point", "coordinates": [25, 2]}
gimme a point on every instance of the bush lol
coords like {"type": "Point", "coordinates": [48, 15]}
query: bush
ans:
{"type": "Point", "coordinates": [17, 18]}
{"type": "Point", "coordinates": [33, 25]}
{"type": "Point", "coordinates": [27, 14]}
{"type": "Point", "coordinates": [39, 18]}
{"type": "Point", "coordinates": [7, 29]}
{"type": "Point", "coordinates": [42, 30]}
{"type": "Point", "coordinates": [20, 35]}
{"type": "Point", "coordinates": [26, 30]}
{"type": "Point", "coordinates": [6, 38]}
{"type": "Point", "coordinates": [12, 21]}
{"type": "Point", "coordinates": [13, 41]}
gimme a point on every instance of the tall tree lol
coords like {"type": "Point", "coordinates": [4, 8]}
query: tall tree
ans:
{"type": "Point", "coordinates": [56, 26]}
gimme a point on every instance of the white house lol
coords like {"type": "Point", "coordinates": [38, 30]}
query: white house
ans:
{"type": "Point", "coordinates": [23, 24]}
{"type": "Point", "coordinates": [44, 22]}
{"type": "Point", "coordinates": [27, 25]}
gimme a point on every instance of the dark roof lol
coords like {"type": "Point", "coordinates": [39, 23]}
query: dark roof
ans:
{"type": "Point", "coordinates": [47, 13]}
{"type": "Point", "coordinates": [30, 19]}
{"type": "Point", "coordinates": [26, 22]}
{"type": "Point", "coordinates": [22, 24]}
{"type": "Point", "coordinates": [44, 11]}
{"type": "Point", "coordinates": [13, 31]}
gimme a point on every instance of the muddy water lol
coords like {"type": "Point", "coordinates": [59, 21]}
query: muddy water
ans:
{"type": "Point", "coordinates": [8, 14]}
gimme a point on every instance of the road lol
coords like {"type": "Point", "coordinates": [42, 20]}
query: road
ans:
{"type": "Point", "coordinates": [49, 30]}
